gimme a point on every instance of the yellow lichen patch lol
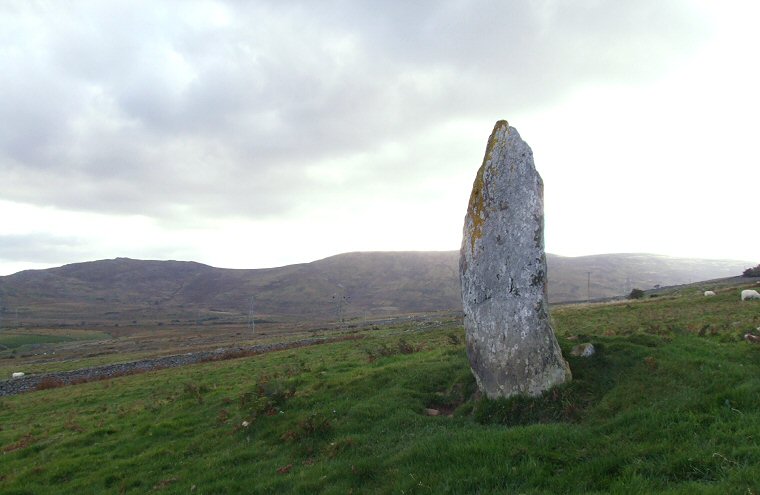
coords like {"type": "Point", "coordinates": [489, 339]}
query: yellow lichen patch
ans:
{"type": "Point", "coordinates": [476, 210]}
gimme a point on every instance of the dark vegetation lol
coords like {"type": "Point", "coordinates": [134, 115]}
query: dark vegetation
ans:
{"type": "Point", "coordinates": [636, 294]}
{"type": "Point", "coordinates": [669, 404]}
{"type": "Point", "coordinates": [752, 272]}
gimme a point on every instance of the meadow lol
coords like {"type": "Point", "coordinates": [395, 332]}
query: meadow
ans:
{"type": "Point", "coordinates": [669, 404]}
{"type": "Point", "coordinates": [14, 339]}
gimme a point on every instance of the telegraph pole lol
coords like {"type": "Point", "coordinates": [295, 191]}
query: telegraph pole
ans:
{"type": "Point", "coordinates": [588, 288]}
{"type": "Point", "coordinates": [340, 298]}
{"type": "Point", "coordinates": [251, 319]}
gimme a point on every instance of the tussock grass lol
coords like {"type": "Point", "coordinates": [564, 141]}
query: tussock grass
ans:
{"type": "Point", "coordinates": [663, 407]}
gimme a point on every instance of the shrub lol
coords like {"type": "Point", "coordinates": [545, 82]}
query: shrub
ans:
{"type": "Point", "coordinates": [49, 382]}
{"type": "Point", "coordinates": [405, 347]}
{"type": "Point", "coordinates": [402, 347]}
{"type": "Point", "coordinates": [314, 425]}
{"type": "Point", "coordinates": [195, 391]}
{"type": "Point", "coordinates": [636, 294]}
{"type": "Point", "coordinates": [268, 397]}
{"type": "Point", "coordinates": [752, 272]}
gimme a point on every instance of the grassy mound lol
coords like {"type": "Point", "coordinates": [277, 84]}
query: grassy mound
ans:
{"type": "Point", "coordinates": [670, 403]}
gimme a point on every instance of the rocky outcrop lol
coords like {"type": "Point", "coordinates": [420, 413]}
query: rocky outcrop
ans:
{"type": "Point", "coordinates": [502, 265]}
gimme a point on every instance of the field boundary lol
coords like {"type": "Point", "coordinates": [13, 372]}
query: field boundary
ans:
{"type": "Point", "coordinates": [44, 381]}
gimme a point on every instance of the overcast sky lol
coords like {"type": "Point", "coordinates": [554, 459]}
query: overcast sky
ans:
{"type": "Point", "coordinates": [265, 133]}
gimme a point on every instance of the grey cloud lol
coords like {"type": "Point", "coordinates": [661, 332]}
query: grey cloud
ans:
{"type": "Point", "coordinates": [53, 249]}
{"type": "Point", "coordinates": [40, 248]}
{"type": "Point", "coordinates": [139, 108]}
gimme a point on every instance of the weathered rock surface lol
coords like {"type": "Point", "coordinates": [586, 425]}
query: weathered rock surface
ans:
{"type": "Point", "coordinates": [583, 350]}
{"type": "Point", "coordinates": [502, 265]}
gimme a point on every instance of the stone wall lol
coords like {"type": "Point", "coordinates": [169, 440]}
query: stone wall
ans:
{"type": "Point", "coordinates": [30, 383]}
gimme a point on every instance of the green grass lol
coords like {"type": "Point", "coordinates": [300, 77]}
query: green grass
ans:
{"type": "Point", "coordinates": [690, 312]}
{"type": "Point", "coordinates": [16, 338]}
{"type": "Point", "coordinates": [659, 409]}
{"type": "Point", "coordinates": [10, 362]}
{"type": "Point", "coordinates": [17, 342]}
{"type": "Point", "coordinates": [7, 366]}
{"type": "Point", "coordinates": [13, 341]}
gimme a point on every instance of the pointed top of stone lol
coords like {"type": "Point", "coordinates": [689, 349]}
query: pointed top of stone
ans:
{"type": "Point", "coordinates": [504, 144]}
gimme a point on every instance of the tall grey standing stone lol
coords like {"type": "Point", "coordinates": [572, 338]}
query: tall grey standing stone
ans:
{"type": "Point", "coordinates": [502, 265]}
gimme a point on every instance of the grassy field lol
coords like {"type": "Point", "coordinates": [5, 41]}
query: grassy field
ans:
{"type": "Point", "coordinates": [669, 404]}
{"type": "Point", "coordinates": [13, 339]}
{"type": "Point", "coordinates": [58, 350]}
{"type": "Point", "coordinates": [61, 348]}
{"type": "Point", "coordinates": [20, 346]}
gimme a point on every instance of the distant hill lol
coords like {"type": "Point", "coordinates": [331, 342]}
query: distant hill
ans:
{"type": "Point", "coordinates": [358, 284]}
{"type": "Point", "coordinates": [616, 274]}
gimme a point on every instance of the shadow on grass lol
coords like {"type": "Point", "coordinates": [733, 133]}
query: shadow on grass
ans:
{"type": "Point", "coordinates": [593, 378]}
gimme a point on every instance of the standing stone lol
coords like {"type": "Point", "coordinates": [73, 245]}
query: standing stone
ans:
{"type": "Point", "coordinates": [502, 266]}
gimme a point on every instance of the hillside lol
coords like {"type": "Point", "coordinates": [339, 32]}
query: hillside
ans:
{"type": "Point", "coordinates": [670, 403]}
{"type": "Point", "coordinates": [355, 284]}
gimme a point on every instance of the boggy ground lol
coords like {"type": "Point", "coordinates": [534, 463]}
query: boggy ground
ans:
{"type": "Point", "coordinates": [669, 404]}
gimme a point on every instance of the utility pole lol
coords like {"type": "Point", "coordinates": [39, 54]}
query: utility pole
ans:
{"type": "Point", "coordinates": [588, 288]}
{"type": "Point", "coordinates": [340, 299]}
{"type": "Point", "coordinates": [251, 319]}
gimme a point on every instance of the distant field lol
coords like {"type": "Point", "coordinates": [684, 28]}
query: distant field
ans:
{"type": "Point", "coordinates": [12, 339]}
{"type": "Point", "coordinates": [684, 312]}
{"type": "Point", "coordinates": [670, 404]}
{"type": "Point", "coordinates": [19, 348]}
{"type": "Point", "coordinates": [129, 348]}
{"type": "Point", "coordinates": [99, 345]}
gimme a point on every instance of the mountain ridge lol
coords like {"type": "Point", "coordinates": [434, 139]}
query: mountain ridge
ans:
{"type": "Point", "coordinates": [351, 284]}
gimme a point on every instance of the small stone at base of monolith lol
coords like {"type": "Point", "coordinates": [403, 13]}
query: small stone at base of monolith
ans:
{"type": "Point", "coordinates": [583, 350]}
{"type": "Point", "coordinates": [502, 265]}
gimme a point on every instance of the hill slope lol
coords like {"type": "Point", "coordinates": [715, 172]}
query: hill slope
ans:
{"type": "Point", "coordinates": [356, 284]}
{"type": "Point", "coordinates": [670, 403]}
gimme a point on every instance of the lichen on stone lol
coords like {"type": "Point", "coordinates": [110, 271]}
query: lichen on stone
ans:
{"type": "Point", "coordinates": [476, 208]}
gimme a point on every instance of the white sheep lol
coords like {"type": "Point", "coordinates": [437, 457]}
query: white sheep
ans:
{"type": "Point", "coordinates": [750, 294]}
{"type": "Point", "coordinates": [17, 374]}
{"type": "Point", "coordinates": [709, 293]}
